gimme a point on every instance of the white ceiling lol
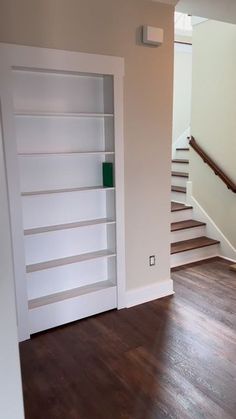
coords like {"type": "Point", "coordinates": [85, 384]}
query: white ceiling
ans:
{"type": "Point", "coordinates": [224, 10]}
{"type": "Point", "coordinates": [167, 1]}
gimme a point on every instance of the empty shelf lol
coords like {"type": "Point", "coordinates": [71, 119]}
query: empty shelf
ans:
{"type": "Point", "coordinates": [52, 191]}
{"type": "Point", "coordinates": [63, 114]}
{"type": "Point", "coordinates": [67, 226]}
{"type": "Point", "coordinates": [68, 260]}
{"type": "Point", "coordinates": [72, 293]}
{"type": "Point", "coordinates": [63, 153]}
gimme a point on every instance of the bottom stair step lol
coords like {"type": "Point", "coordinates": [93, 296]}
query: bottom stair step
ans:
{"type": "Point", "coordinates": [197, 243]}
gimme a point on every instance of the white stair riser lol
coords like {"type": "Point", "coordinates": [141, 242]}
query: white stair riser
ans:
{"type": "Point", "coordinates": [178, 197]}
{"type": "Point", "coordinates": [195, 255]}
{"type": "Point", "coordinates": [180, 154]}
{"type": "Point", "coordinates": [178, 181]}
{"type": "Point", "coordinates": [187, 234]}
{"type": "Point", "coordinates": [180, 167]}
{"type": "Point", "coordinates": [181, 215]}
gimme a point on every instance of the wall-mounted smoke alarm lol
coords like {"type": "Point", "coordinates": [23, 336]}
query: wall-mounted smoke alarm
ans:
{"type": "Point", "coordinates": [152, 35]}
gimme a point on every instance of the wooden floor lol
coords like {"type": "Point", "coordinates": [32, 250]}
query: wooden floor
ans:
{"type": "Point", "coordinates": [171, 358]}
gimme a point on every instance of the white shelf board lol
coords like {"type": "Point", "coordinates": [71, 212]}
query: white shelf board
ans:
{"type": "Point", "coordinates": [68, 260]}
{"type": "Point", "coordinates": [72, 293]}
{"type": "Point", "coordinates": [73, 308]}
{"type": "Point", "coordinates": [63, 114]}
{"type": "Point", "coordinates": [53, 191]}
{"type": "Point", "coordinates": [64, 153]}
{"type": "Point", "coordinates": [67, 226]}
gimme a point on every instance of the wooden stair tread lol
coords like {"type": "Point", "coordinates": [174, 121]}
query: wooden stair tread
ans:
{"type": "Point", "coordinates": [181, 189]}
{"type": "Point", "coordinates": [177, 206]}
{"type": "Point", "coordinates": [233, 268]}
{"type": "Point", "coordinates": [181, 161]}
{"type": "Point", "coordinates": [182, 149]}
{"type": "Point", "coordinates": [180, 174]}
{"type": "Point", "coordinates": [184, 225]}
{"type": "Point", "coordinates": [197, 243]}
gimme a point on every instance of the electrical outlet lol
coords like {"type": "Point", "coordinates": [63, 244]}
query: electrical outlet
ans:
{"type": "Point", "coordinates": [152, 260]}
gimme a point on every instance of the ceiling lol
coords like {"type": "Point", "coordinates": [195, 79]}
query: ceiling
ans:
{"type": "Point", "coordinates": [167, 1]}
{"type": "Point", "coordinates": [212, 9]}
{"type": "Point", "coordinates": [224, 10]}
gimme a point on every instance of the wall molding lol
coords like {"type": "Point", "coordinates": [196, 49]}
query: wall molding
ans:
{"type": "Point", "coordinates": [227, 250]}
{"type": "Point", "coordinates": [151, 292]}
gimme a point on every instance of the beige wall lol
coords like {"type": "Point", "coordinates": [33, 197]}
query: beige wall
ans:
{"type": "Point", "coordinates": [182, 90]}
{"type": "Point", "coordinates": [214, 121]}
{"type": "Point", "coordinates": [112, 27]}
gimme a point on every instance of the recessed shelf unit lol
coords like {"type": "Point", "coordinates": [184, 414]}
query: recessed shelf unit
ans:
{"type": "Point", "coordinates": [68, 121]}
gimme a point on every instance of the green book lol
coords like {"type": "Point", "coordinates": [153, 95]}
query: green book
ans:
{"type": "Point", "coordinates": [107, 174]}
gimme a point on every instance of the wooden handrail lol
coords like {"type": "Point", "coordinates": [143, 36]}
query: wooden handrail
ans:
{"type": "Point", "coordinates": [216, 169]}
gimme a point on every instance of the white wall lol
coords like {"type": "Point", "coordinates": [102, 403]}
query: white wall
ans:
{"type": "Point", "coordinates": [113, 27]}
{"type": "Point", "coordinates": [11, 404]}
{"type": "Point", "coordinates": [213, 120]}
{"type": "Point", "coordinates": [182, 89]}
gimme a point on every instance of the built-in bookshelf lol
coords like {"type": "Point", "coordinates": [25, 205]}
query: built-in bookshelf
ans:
{"type": "Point", "coordinates": [65, 129]}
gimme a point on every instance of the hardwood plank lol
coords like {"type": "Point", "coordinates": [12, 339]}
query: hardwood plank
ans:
{"type": "Point", "coordinates": [170, 358]}
{"type": "Point", "coordinates": [197, 243]}
{"type": "Point", "coordinates": [183, 225]}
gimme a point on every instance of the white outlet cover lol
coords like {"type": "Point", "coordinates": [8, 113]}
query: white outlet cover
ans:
{"type": "Point", "coordinates": [152, 260]}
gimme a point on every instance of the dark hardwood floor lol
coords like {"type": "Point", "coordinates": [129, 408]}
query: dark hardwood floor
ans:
{"type": "Point", "coordinates": [171, 358]}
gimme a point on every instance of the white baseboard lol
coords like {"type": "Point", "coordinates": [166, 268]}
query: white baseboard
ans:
{"type": "Point", "coordinates": [226, 249]}
{"type": "Point", "coordinates": [149, 293]}
{"type": "Point", "coordinates": [229, 259]}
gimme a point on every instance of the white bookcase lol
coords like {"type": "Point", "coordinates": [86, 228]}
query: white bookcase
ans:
{"type": "Point", "coordinates": [66, 112]}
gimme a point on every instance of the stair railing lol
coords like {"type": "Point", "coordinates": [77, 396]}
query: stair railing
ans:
{"type": "Point", "coordinates": [208, 160]}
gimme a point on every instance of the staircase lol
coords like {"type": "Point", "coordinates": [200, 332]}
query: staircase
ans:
{"type": "Point", "coordinates": [189, 242]}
